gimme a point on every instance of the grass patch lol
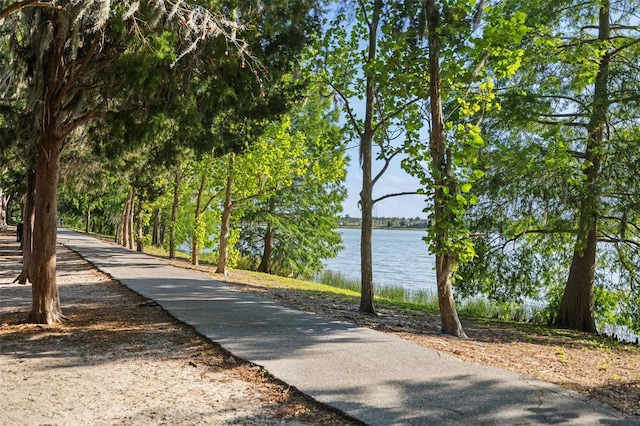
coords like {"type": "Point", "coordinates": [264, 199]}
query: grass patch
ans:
{"type": "Point", "coordinates": [395, 295]}
{"type": "Point", "coordinates": [162, 252]}
{"type": "Point", "coordinates": [474, 307]}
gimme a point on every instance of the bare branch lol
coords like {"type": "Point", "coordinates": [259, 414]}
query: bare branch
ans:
{"type": "Point", "coordinates": [77, 122]}
{"type": "Point", "coordinates": [614, 27]}
{"type": "Point", "coordinates": [213, 197]}
{"type": "Point", "coordinates": [397, 194]}
{"type": "Point", "coordinates": [82, 65]}
{"type": "Point", "coordinates": [614, 240]}
{"type": "Point", "coordinates": [17, 6]}
{"type": "Point", "coordinates": [387, 161]}
{"type": "Point", "coordinates": [537, 231]}
{"type": "Point", "coordinates": [567, 98]}
{"type": "Point", "coordinates": [345, 100]}
{"type": "Point", "coordinates": [561, 123]}
{"type": "Point", "coordinates": [395, 113]}
{"type": "Point", "coordinates": [364, 12]}
{"type": "Point", "coordinates": [621, 48]}
{"type": "Point", "coordinates": [569, 115]}
{"type": "Point", "coordinates": [577, 154]}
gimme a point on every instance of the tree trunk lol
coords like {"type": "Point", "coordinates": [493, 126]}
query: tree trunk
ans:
{"type": "Point", "coordinates": [123, 223]}
{"type": "Point", "coordinates": [46, 300]}
{"type": "Point", "coordinates": [443, 177]}
{"type": "Point", "coordinates": [121, 226]}
{"type": "Point", "coordinates": [4, 202]}
{"type": "Point", "coordinates": [130, 215]}
{"type": "Point", "coordinates": [27, 231]}
{"type": "Point", "coordinates": [163, 234]}
{"type": "Point", "coordinates": [139, 233]}
{"type": "Point", "coordinates": [195, 246]}
{"type": "Point", "coordinates": [265, 263]}
{"type": "Point", "coordinates": [45, 297]}
{"type": "Point", "coordinates": [87, 227]}
{"type": "Point", "coordinates": [126, 220]}
{"type": "Point", "coordinates": [225, 225]}
{"type": "Point", "coordinates": [366, 195]}
{"type": "Point", "coordinates": [157, 222]}
{"type": "Point", "coordinates": [174, 214]}
{"type": "Point", "coordinates": [576, 310]}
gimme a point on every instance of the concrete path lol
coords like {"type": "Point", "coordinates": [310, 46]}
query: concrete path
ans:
{"type": "Point", "coordinates": [375, 378]}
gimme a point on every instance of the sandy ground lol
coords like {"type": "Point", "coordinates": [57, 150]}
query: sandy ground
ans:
{"type": "Point", "coordinates": [121, 360]}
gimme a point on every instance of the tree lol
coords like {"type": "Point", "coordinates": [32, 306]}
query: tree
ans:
{"type": "Point", "coordinates": [356, 57]}
{"type": "Point", "coordinates": [66, 49]}
{"type": "Point", "coordinates": [577, 307]}
{"type": "Point", "coordinates": [444, 180]}
{"type": "Point", "coordinates": [567, 156]}
{"type": "Point", "coordinates": [293, 230]}
{"type": "Point", "coordinates": [207, 191]}
{"type": "Point", "coordinates": [17, 164]}
{"type": "Point", "coordinates": [462, 63]}
{"type": "Point", "coordinates": [270, 164]}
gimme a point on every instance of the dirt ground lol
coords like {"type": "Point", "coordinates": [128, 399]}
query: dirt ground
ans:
{"type": "Point", "coordinates": [122, 360]}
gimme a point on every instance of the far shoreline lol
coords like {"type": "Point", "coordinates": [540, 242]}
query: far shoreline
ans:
{"type": "Point", "coordinates": [383, 228]}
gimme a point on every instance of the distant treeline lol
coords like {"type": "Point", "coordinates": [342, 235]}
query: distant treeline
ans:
{"type": "Point", "coordinates": [386, 222]}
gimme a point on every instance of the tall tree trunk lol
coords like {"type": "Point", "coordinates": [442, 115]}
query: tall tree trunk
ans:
{"type": "Point", "coordinates": [162, 234]}
{"type": "Point", "coordinates": [366, 195]}
{"type": "Point", "coordinates": [120, 237]}
{"type": "Point", "coordinates": [123, 222]}
{"type": "Point", "coordinates": [157, 221]}
{"type": "Point", "coordinates": [225, 225]}
{"type": "Point", "coordinates": [576, 310]}
{"type": "Point", "coordinates": [27, 230]}
{"type": "Point", "coordinates": [441, 164]}
{"type": "Point", "coordinates": [130, 215]}
{"type": "Point", "coordinates": [174, 214]}
{"type": "Point", "coordinates": [46, 300]}
{"type": "Point", "coordinates": [126, 221]}
{"type": "Point", "coordinates": [139, 226]}
{"type": "Point", "coordinates": [45, 307]}
{"type": "Point", "coordinates": [4, 202]}
{"type": "Point", "coordinates": [87, 227]}
{"type": "Point", "coordinates": [265, 263]}
{"type": "Point", "coordinates": [195, 247]}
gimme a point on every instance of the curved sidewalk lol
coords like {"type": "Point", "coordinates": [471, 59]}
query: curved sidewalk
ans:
{"type": "Point", "coordinates": [373, 377]}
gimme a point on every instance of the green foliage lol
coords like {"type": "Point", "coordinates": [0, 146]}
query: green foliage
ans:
{"type": "Point", "coordinates": [531, 197]}
{"type": "Point", "coordinates": [302, 217]}
{"type": "Point", "coordinates": [467, 97]}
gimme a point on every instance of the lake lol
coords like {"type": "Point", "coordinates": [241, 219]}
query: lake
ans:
{"type": "Point", "coordinates": [400, 258]}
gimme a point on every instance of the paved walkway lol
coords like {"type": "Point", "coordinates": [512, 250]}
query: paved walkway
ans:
{"type": "Point", "coordinates": [373, 377]}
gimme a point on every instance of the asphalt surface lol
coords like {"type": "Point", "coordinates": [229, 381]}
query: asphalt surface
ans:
{"type": "Point", "coordinates": [373, 377]}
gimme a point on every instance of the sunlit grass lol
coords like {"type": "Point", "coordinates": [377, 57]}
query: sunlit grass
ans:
{"type": "Point", "coordinates": [423, 299]}
{"type": "Point", "coordinates": [162, 252]}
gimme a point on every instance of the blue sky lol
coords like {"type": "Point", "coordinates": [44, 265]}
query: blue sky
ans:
{"type": "Point", "coordinates": [394, 180]}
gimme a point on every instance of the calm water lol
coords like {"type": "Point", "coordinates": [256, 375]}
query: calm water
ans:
{"type": "Point", "coordinates": [400, 258]}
